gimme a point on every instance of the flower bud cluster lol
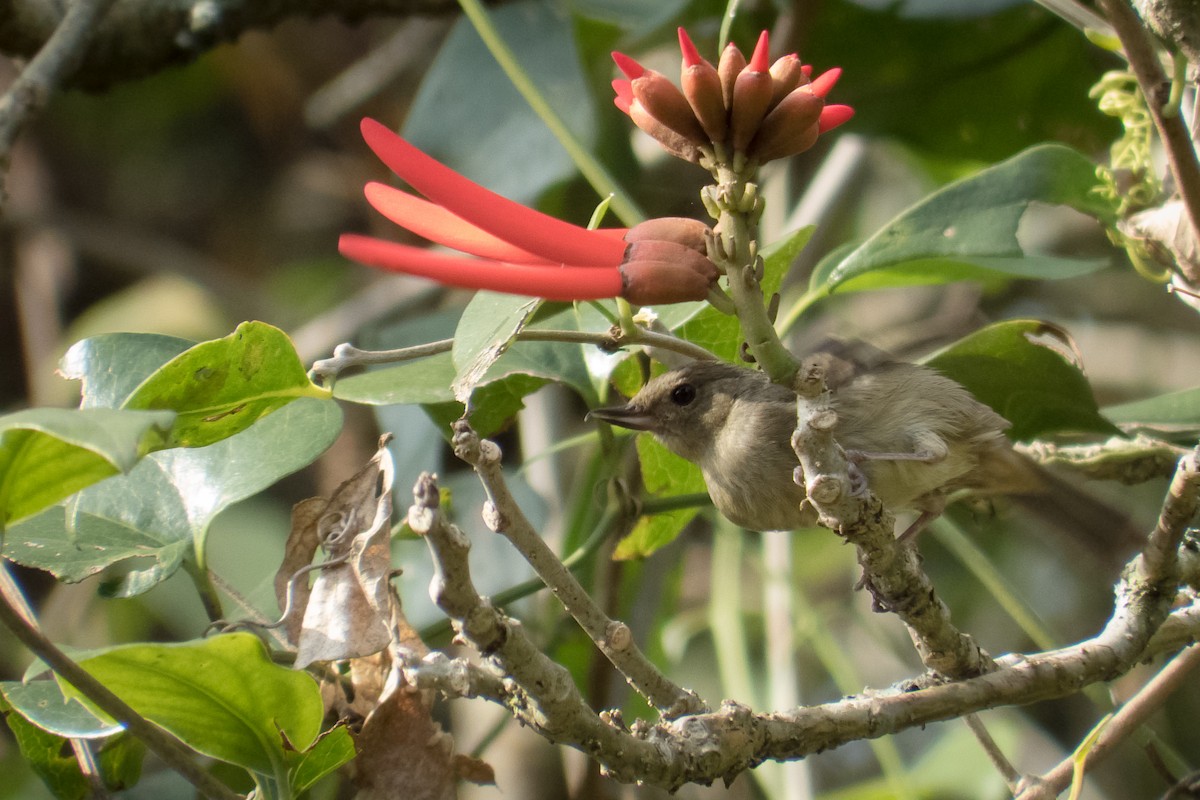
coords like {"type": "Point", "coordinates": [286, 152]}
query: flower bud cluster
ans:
{"type": "Point", "coordinates": [756, 109]}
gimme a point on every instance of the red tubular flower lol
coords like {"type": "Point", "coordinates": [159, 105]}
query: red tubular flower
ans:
{"type": "Point", "coordinates": [517, 249]}
{"type": "Point", "coordinates": [750, 107]}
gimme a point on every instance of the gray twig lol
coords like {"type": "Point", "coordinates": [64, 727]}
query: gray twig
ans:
{"type": "Point", "coordinates": [615, 640]}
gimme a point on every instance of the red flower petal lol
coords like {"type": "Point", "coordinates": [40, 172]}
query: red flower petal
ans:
{"type": "Point", "coordinates": [439, 225]}
{"type": "Point", "coordinates": [691, 56]}
{"type": "Point", "coordinates": [551, 283]}
{"type": "Point", "coordinates": [832, 116]}
{"type": "Point", "coordinates": [758, 60]}
{"type": "Point", "coordinates": [631, 68]}
{"type": "Point", "coordinates": [524, 227]}
{"type": "Point", "coordinates": [823, 83]}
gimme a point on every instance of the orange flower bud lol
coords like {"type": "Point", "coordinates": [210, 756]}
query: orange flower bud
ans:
{"type": "Point", "coordinates": [672, 141]}
{"type": "Point", "coordinates": [787, 74]}
{"type": "Point", "coordinates": [665, 272]}
{"type": "Point", "coordinates": [702, 88]}
{"type": "Point", "coordinates": [681, 230]}
{"type": "Point", "coordinates": [728, 68]}
{"type": "Point", "coordinates": [667, 104]}
{"type": "Point", "coordinates": [752, 92]}
{"type": "Point", "coordinates": [791, 127]}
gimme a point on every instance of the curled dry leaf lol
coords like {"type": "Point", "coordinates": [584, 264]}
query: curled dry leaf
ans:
{"type": "Point", "coordinates": [350, 610]}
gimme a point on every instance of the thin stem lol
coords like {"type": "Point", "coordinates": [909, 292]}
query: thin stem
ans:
{"type": "Point", "coordinates": [346, 356]}
{"type": "Point", "coordinates": [164, 745]}
{"type": "Point", "coordinates": [592, 170]}
{"type": "Point", "coordinates": [1000, 761]}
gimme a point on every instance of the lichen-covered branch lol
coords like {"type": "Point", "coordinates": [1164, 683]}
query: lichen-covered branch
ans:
{"type": "Point", "coordinates": [614, 638]}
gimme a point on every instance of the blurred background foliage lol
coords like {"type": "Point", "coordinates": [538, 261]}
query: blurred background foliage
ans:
{"type": "Point", "coordinates": [209, 194]}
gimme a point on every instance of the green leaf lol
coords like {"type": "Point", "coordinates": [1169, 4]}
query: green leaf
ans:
{"type": "Point", "coordinates": [488, 327]}
{"type": "Point", "coordinates": [332, 749]}
{"type": "Point", "coordinates": [426, 380]}
{"type": "Point", "coordinates": [968, 230]}
{"type": "Point", "coordinates": [1010, 367]}
{"type": "Point", "coordinates": [49, 756]}
{"type": "Point", "coordinates": [162, 509]}
{"type": "Point", "coordinates": [721, 333]}
{"type": "Point", "coordinates": [43, 704]}
{"type": "Point", "coordinates": [222, 696]}
{"type": "Point", "coordinates": [47, 454]}
{"type": "Point", "coordinates": [139, 355]}
{"type": "Point", "coordinates": [664, 474]}
{"type": "Point", "coordinates": [1172, 413]}
{"type": "Point", "coordinates": [224, 386]}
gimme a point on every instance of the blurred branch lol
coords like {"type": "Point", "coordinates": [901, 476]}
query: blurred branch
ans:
{"type": "Point", "coordinates": [141, 37]}
{"type": "Point", "coordinates": [1149, 699]}
{"type": "Point", "coordinates": [58, 54]}
{"type": "Point", "coordinates": [1129, 461]}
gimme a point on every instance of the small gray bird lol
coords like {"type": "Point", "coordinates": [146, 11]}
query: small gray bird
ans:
{"type": "Point", "coordinates": [916, 435]}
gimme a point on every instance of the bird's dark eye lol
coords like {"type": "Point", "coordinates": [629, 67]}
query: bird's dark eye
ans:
{"type": "Point", "coordinates": [683, 394]}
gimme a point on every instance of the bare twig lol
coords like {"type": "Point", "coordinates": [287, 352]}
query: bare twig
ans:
{"type": "Point", "coordinates": [992, 750]}
{"type": "Point", "coordinates": [174, 753]}
{"type": "Point", "coordinates": [1143, 60]}
{"type": "Point", "coordinates": [347, 355]}
{"type": "Point", "coordinates": [615, 640]}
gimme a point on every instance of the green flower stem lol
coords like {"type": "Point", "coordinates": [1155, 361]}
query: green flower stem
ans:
{"type": "Point", "coordinates": [592, 170]}
{"type": "Point", "coordinates": [737, 199]}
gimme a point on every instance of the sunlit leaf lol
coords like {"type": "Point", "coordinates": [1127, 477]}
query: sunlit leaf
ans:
{"type": "Point", "coordinates": [92, 361]}
{"type": "Point", "coordinates": [222, 696]}
{"type": "Point", "coordinates": [162, 509]}
{"type": "Point", "coordinates": [224, 386]}
{"type": "Point", "coordinates": [47, 454]}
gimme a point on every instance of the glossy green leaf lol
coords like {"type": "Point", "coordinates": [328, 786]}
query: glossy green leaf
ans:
{"type": "Point", "coordinates": [224, 386]}
{"type": "Point", "coordinates": [1012, 368]}
{"type": "Point", "coordinates": [43, 703]}
{"type": "Point", "coordinates": [664, 474]}
{"type": "Point", "coordinates": [162, 509]}
{"type": "Point", "coordinates": [47, 454]}
{"type": "Point", "coordinates": [1172, 413]}
{"type": "Point", "coordinates": [222, 696]}
{"type": "Point", "coordinates": [332, 749]}
{"type": "Point", "coordinates": [720, 332]}
{"type": "Point", "coordinates": [92, 361]}
{"type": "Point", "coordinates": [425, 380]}
{"type": "Point", "coordinates": [968, 230]}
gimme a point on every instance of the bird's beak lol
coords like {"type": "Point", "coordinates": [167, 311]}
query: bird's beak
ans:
{"type": "Point", "coordinates": [624, 416]}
